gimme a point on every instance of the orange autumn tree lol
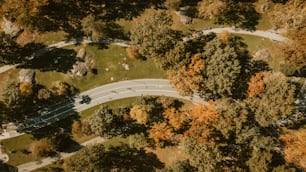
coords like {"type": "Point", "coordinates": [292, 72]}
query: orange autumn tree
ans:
{"type": "Point", "coordinates": [256, 84]}
{"type": "Point", "coordinates": [161, 132]}
{"type": "Point", "coordinates": [26, 88]}
{"type": "Point", "coordinates": [188, 79]}
{"type": "Point", "coordinates": [177, 119]}
{"type": "Point", "coordinates": [295, 147]}
{"type": "Point", "coordinates": [201, 118]}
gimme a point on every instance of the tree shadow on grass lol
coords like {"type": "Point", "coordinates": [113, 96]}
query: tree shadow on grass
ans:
{"type": "Point", "coordinates": [52, 59]}
{"type": "Point", "coordinates": [131, 159]}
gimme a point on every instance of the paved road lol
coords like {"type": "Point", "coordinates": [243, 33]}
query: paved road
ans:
{"type": "Point", "coordinates": [46, 161]}
{"type": "Point", "coordinates": [265, 34]}
{"type": "Point", "coordinates": [102, 94]}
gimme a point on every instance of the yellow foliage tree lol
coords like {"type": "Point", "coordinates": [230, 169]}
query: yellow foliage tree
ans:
{"type": "Point", "coordinates": [201, 117]}
{"type": "Point", "coordinates": [256, 84]}
{"type": "Point", "coordinates": [42, 147]}
{"type": "Point", "coordinates": [140, 113]}
{"type": "Point", "coordinates": [177, 119]}
{"type": "Point", "coordinates": [295, 147]}
{"type": "Point", "coordinates": [161, 132]}
{"type": "Point", "coordinates": [26, 88]}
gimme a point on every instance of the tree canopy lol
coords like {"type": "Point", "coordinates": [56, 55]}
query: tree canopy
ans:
{"type": "Point", "coordinates": [153, 34]}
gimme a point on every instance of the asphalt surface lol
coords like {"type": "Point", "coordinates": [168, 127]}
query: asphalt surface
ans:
{"type": "Point", "coordinates": [99, 95]}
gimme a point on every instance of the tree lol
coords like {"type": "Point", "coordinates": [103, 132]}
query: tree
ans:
{"type": "Point", "coordinates": [290, 15]}
{"type": "Point", "coordinates": [10, 51]}
{"type": "Point", "coordinates": [119, 158]}
{"type": "Point", "coordinates": [89, 159]}
{"type": "Point", "coordinates": [188, 79]}
{"type": "Point", "coordinates": [294, 54]}
{"type": "Point", "coordinates": [161, 132]}
{"type": "Point", "coordinates": [218, 71]}
{"type": "Point", "coordinates": [76, 128]}
{"type": "Point", "coordinates": [232, 119]}
{"type": "Point", "coordinates": [256, 84]}
{"type": "Point", "coordinates": [222, 68]}
{"type": "Point", "coordinates": [141, 113]}
{"type": "Point", "coordinates": [61, 88]}
{"type": "Point", "coordinates": [177, 119]}
{"type": "Point", "coordinates": [138, 141]}
{"type": "Point", "coordinates": [201, 118]}
{"type": "Point", "coordinates": [12, 96]}
{"type": "Point", "coordinates": [23, 12]}
{"type": "Point", "coordinates": [239, 13]}
{"type": "Point", "coordinates": [210, 9]}
{"type": "Point", "coordinates": [275, 102]}
{"type": "Point", "coordinates": [294, 146]}
{"type": "Point", "coordinates": [176, 57]}
{"type": "Point", "coordinates": [173, 4]}
{"type": "Point", "coordinates": [42, 147]}
{"type": "Point", "coordinates": [264, 150]}
{"type": "Point", "coordinates": [154, 37]}
{"type": "Point", "coordinates": [103, 122]}
{"type": "Point", "coordinates": [179, 166]}
{"type": "Point", "coordinates": [26, 88]}
{"type": "Point", "coordinates": [204, 157]}
{"type": "Point", "coordinates": [93, 27]}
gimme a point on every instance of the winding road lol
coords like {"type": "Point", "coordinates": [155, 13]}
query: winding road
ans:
{"type": "Point", "coordinates": [114, 91]}
{"type": "Point", "coordinates": [99, 95]}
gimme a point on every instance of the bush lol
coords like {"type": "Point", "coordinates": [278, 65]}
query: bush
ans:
{"type": "Point", "coordinates": [42, 147]}
{"type": "Point", "coordinates": [132, 52]}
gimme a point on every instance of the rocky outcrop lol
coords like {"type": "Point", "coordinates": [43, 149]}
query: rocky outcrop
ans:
{"type": "Point", "coordinates": [27, 75]}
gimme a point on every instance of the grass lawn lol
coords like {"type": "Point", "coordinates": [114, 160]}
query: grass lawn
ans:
{"type": "Point", "coordinates": [110, 58]}
{"type": "Point", "coordinates": [15, 148]}
{"type": "Point", "coordinates": [255, 43]}
{"type": "Point", "coordinates": [49, 38]}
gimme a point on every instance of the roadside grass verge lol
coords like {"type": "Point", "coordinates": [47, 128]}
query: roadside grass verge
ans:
{"type": "Point", "coordinates": [108, 63]}
{"type": "Point", "coordinates": [255, 43]}
{"type": "Point", "coordinates": [49, 38]}
{"type": "Point", "coordinates": [17, 149]}
{"type": "Point", "coordinates": [112, 104]}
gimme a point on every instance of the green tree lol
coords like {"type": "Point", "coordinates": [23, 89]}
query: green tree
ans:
{"type": "Point", "coordinates": [153, 34]}
{"type": "Point", "coordinates": [179, 166]}
{"type": "Point", "coordinates": [264, 149]}
{"type": "Point", "coordinates": [92, 27]}
{"type": "Point", "coordinates": [210, 9]}
{"type": "Point", "coordinates": [10, 52]}
{"type": "Point", "coordinates": [239, 13]}
{"type": "Point", "coordinates": [275, 102]}
{"type": "Point", "coordinates": [120, 158]}
{"type": "Point", "coordinates": [205, 157]}
{"type": "Point", "coordinates": [103, 122]}
{"type": "Point", "coordinates": [89, 159]}
{"type": "Point", "coordinates": [173, 4]}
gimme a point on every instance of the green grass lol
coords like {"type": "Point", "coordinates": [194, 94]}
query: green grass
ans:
{"type": "Point", "coordinates": [48, 38]}
{"type": "Point", "coordinates": [115, 141]}
{"type": "Point", "coordinates": [255, 43]}
{"type": "Point", "coordinates": [112, 104]}
{"type": "Point", "coordinates": [14, 147]}
{"type": "Point", "coordinates": [105, 58]}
